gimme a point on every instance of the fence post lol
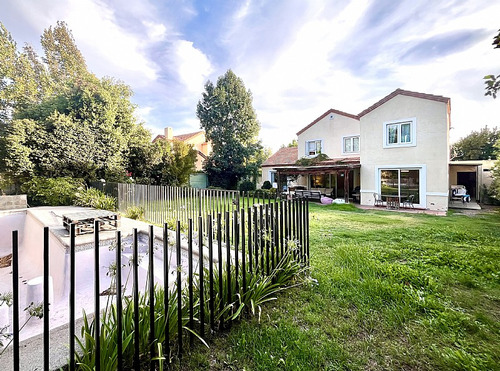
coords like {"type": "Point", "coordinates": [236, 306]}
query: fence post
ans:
{"type": "Point", "coordinates": [119, 309]}
{"type": "Point", "coordinates": [179, 287]}
{"type": "Point", "coordinates": [72, 284]}
{"type": "Point", "coordinates": [236, 242]}
{"type": "Point", "coordinates": [219, 255]}
{"type": "Point", "coordinates": [243, 251]}
{"type": "Point", "coordinates": [166, 291]}
{"type": "Point", "coordinates": [135, 278]}
{"type": "Point", "coordinates": [190, 280]}
{"type": "Point", "coordinates": [15, 297]}
{"type": "Point", "coordinates": [151, 300]}
{"type": "Point", "coordinates": [211, 272]}
{"type": "Point", "coordinates": [228, 259]}
{"type": "Point", "coordinates": [200, 264]}
{"type": "Point", "coordinates": [97, 309]}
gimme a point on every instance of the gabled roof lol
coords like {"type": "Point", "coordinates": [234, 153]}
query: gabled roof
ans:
{"type": "Point", "coordinates": [331, 110]}
{"type": "Point", "coordinates": [437, 98]}
{"type": "Point", "coordinates": [182, 137]}
{"type": "Point", "coordinates": [284, 156]}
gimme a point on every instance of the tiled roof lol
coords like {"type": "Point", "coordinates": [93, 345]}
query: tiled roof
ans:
{"type": "Point", "coordinates": [437, 98]}
{"type": "Point", "coordinates": [284, 156]}
{"type": "Point", "coordinates": [184, 137]}
{"type": "Point", "coordinates": [331, 110]}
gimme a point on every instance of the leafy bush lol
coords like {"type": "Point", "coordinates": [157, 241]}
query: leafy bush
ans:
{"type": "Point", "coordinates": [52, 191]}
{"type": "Point", "coordinates": [135, 212]}
{"type": "Point", "coordinates": [267, 185]}
{"type": "Point", "coordinates": [92, 197]}
{"type": "Point", "coordinates": [246, 185]}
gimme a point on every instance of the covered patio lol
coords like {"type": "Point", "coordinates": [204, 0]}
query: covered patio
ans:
{"type": "Point", "coordinates": [339, 176]}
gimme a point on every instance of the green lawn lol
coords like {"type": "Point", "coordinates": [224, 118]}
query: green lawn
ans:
{"type": "Point", "coordinates": [389, 291]}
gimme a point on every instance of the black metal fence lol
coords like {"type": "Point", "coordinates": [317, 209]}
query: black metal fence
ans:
{"type": "Point", "coordinates": [225, 260]}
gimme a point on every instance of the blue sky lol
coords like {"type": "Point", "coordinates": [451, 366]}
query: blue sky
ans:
{"type": "Point", "coordinates": [299, 58]}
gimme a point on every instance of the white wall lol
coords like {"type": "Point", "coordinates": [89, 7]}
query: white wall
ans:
{"type": "Point", "coordinates": [431, 148]}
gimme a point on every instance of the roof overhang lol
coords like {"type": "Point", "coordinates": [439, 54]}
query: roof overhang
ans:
{"type": "Point", "coordinates": [319, 169]}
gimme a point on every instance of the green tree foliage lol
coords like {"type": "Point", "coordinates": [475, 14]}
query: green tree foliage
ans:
{"type": "Point", "coordinates": [171, 163]}
{"type": "Point", "coordinates": [478, 145]}
{"type": "Point", "coordinates": [293, 143]}
{"type": "Point", "coordinates": [229, 120]}
{"type": "Point", "coordinates": [493, 82]}
{"type": "Point", "coordinates": [495, 185]}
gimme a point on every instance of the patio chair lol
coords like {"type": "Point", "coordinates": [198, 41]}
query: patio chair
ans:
{"type": "Point", "coordinates": [409, 201]}
{"type": "Point", "coordinates": [378, 200]}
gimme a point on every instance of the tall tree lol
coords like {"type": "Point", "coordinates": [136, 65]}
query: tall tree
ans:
{"type": "Point", "coordinates": [493, 82]}
{"type": "Point", "coordinates": [229, 120]}
{"type": "Point", "coordinates": [478, 145]}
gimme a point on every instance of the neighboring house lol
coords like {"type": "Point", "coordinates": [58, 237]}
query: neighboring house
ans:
{"type": "Point", "coordinates": [397, 147]}
{"type": "Point", "coordinates": [286, 156]}
{"type": "Point", "coordinates": [196, 139]}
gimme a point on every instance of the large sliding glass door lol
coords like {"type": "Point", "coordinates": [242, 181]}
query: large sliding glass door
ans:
{"type": "Point", "coordinates": [400, 183]}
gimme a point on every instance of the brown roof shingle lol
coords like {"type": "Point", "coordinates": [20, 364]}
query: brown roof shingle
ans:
{"type": "Point", "coordinates": [284, 156]}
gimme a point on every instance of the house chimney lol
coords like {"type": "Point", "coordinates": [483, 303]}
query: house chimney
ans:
{"type": "Point", "coordinates": [169, 133]}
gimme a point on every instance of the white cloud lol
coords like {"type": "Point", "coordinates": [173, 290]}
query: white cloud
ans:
{"type": "Point", "coordinates": [193, 67]}
{"type": "Point", "coordinates": [155, 31]}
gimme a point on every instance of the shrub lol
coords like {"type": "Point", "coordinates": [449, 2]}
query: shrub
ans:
{"type": "Point", "coordinates": [246, 185]}
{"type": "Point", "coordinates": [135, 212]}
{"type": "Point", "coordinates": [92, 197]}
{"type": "Point", "coordinates": [267, 185]}
{"type": "Point", "coordinates": [52, 191]}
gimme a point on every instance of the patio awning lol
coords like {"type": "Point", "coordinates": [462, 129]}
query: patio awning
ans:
{"type": "Point", "coordinates": [324, 167]}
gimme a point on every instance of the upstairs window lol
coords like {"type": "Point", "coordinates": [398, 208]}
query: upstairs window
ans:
{"type": "Point", "coordinates": [400, 133]}
{"type": "Point", "coordinates": [351, 144]}
{"type": "Point", "coordinates": [313, 147]}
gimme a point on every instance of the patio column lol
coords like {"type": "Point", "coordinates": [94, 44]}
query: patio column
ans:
{"type": "Point", "coordinates": [346, 186]}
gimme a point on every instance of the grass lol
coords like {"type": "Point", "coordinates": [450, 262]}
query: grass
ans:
{"type": "Point", "coordinates": [389, 291]}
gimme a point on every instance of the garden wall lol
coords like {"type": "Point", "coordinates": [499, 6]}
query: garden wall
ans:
{"type": "Point", "coordinates": [13, 202]}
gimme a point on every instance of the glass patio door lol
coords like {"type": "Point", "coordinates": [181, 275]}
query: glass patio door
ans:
{"type": "Point", "coordinates": [400, 183]}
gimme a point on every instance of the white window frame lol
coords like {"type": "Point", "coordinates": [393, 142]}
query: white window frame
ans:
{"type": "Point", "coordinates": [422, 179]}
{"type": "Point", "coordinates": [351, 137]}
{"type": "Point", "coordinates": [413, 132]}
{"type": "Point", "coordinates": [320, 146]}
{"type": "Point", "coordinates": [274, 184]}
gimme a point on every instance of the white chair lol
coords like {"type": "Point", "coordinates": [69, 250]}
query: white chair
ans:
{"type": "Point", "coordinates": [378, 200]}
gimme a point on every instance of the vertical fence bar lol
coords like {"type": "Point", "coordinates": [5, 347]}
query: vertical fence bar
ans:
{"type": "Point", "coordinates": [72, 284]}
{"type": "Point", "coordinates": [119, 308]}
{"type": "Point", "coordinates": [236, 243]}
{"type": "Point", "coordinates": [151, 300]}
{"type": "Point", "coordinates": [262, 239]}
{"type": "Point", "coordinates": [190, 280]}
{"type": "Point", "coordinates": [228, 259]}
{"type": "Point", "coordinates": [211, 272]}
{"type": "Point", "coordinates": [135, 253]}
{"type": "Point", "coordinates": [15, 298]}
{"type": "Point", "coordinates": [249, 223]}
{"type": "Point", "coordinates": [166, 291]}
{"type": "Point", "coordinates": [219, 255]}
{"type": "Point", "coordinates": [243, 251]}
{"type": "Point", "coordinates": [202, 296]}
{"type": "Point", "coordinates": [97, 309]}
{"type": "Point", "coordinates": [179, 287]}
{"type": "Point", "coordinates": [299, 227]}
{"type": "Point", "coordinates": [307, 233]}
{"type": "Point", "coordinates": [281, 228]}
{"type": "Point", "coordinates": [267, 238]}
{"type": "Point", "coordinates": [46, 315]}
{"type": "Point", "coordinates": [273, 234]}
{"type": "Point", "coordinates": [256, 242]}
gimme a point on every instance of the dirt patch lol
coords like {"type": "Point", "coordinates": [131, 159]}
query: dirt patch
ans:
{"type": "Point", "coordinates": [6, 261]}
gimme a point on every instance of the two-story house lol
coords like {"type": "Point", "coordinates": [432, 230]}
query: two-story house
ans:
{"type": "Point", "coordinates": [197, 140]}
{"type": "Point", "coordinates": [397, 147]}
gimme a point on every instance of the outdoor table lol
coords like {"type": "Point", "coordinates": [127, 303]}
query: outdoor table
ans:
{"type": "Point", "coordinates": [393, 202]}
{"type": "Point", "coordinates": [84, 220]}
